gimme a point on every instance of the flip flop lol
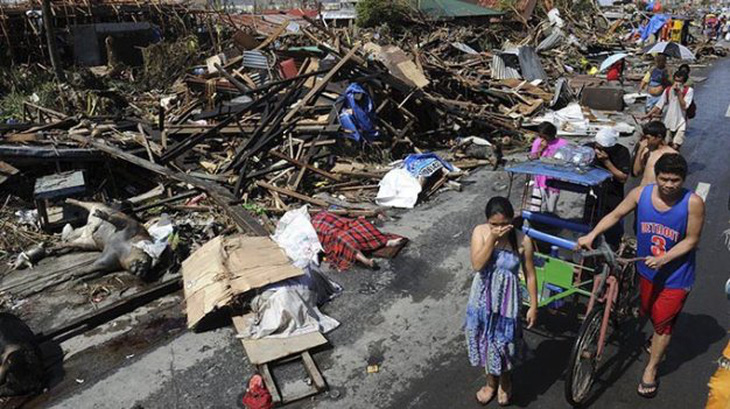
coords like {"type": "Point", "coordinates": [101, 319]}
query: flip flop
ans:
{"type": "Point", "coordinates": [648, 395]}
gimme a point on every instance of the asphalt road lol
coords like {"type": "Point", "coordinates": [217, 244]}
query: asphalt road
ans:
{"type": "Point", "coordinates": [407, 318]}
{"type": "Point", "coordinates": [700, 333]}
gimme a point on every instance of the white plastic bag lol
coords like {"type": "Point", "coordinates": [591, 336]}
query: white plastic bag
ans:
{"type": "Point", "coordinates": [398, 189]}
{"type": "Point", "coordinates": [296, 235]}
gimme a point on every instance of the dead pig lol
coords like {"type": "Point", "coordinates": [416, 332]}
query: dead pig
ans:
{"type": "Point", "coordinates": [114, 234]}
{"type": "Point", "coordinates": [21, 369]}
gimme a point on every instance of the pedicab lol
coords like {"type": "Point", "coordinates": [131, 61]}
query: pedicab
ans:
{"type": "Point", "coordinates": [603, 280]}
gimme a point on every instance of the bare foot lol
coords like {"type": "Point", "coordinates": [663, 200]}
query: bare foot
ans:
{"type": "Point", "coordinates": [504, 393]}
{"type": "Point", "coordinates": [485, 394]}
{"type": "Point", "coordinates": [394, 242]}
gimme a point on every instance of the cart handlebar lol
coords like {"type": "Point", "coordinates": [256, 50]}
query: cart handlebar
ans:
{"type": "Point", "coordinates": [602, 250]}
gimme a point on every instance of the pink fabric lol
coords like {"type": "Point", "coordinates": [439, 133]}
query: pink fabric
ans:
{"type": "Point", "coordinates": [557, 143]}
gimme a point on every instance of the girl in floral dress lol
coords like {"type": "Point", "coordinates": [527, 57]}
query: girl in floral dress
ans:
{"type": "Point", "coordinates": [493, 326]}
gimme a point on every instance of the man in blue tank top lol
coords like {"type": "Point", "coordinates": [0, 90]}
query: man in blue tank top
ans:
{"type": "Point", "coordinates": [669, 223]}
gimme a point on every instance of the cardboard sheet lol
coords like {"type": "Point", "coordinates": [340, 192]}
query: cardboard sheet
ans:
{"type": "Point", "coordinates": [226, 267]}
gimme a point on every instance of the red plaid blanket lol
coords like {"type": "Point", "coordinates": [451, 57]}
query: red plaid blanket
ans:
{"type": "Point", "coordinates": [342, 238]}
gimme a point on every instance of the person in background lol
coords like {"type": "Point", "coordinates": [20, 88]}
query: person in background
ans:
{"type": "Point", "coordinates": [545, 146]}
{"type": "Point", "coordinates": [669, 220]}
{"type": "Point", "coordinates": [493, 326]}
{"type": "Point", "coordinates": [677, 99]}
{"type": "Point", "coordinates": [615, 158]}
{"type": "Point", "coordinates": [655, 81]}
{"type": "Point", "coordinates": [651, 147]}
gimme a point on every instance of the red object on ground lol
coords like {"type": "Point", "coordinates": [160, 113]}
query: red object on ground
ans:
{"type": "Point", "coordinates": [289, 68]}
{"type": "Point", "coordinates": [257, 396]}
{"type": "Point", "coordinates": [614, 71]}
{"type": "Point", "coordinates": [662, 305]}
{"type": "Point", "coordinates": [343, 238]}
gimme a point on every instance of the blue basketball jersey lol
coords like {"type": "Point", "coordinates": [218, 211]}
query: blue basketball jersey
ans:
{"type": "Point", "coordinates": [657, 233]}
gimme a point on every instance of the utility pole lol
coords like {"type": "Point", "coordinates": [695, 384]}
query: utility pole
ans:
{"type": "Point", "coordinates": [51, 40]}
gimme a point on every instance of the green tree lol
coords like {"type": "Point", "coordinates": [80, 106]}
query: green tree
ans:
{"type": "Point", "coordinates": [372, 13]}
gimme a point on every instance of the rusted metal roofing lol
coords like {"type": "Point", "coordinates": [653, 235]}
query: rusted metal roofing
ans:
{"type": "Point", "coordinates": [268, 23]}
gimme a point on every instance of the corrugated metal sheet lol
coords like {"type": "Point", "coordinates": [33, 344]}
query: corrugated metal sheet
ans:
{"type": "Point", "coordinates": [268, 23]}
{"type": "Point", "coordinates": [255, 59]}
{"type": "Point", "coordinates": [553, 40]}
{"type": "Point", "coordinates": [530, 65]}
{"type": "Point", "coordinates": [500, 71]}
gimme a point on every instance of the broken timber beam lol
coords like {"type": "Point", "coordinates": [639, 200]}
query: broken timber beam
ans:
{"type": "Point", "coordinates": [291, 193]}
{"type": "Point", "coordinates": [320, 86]}
{"type": "Point", "coordinates": [112, 311]}
{"type": "Point", "coordinates": [307, 166]}
{"type": "Point", "coordinates": [220, 195]}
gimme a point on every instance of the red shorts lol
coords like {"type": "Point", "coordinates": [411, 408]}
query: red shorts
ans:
{"type": "Point", "coordinates": [662, 305]}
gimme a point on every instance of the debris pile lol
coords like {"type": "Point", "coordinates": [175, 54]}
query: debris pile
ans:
{"type": "Point", "coordinates": [190, 135]}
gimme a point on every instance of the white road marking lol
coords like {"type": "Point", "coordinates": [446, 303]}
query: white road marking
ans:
{"type": "Point", "coordinates": [727, 113]}
{"type": "Point", "coordinates": [703, 189]}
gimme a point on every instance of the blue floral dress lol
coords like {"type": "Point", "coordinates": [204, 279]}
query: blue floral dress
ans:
{"type": "Point", "coordinates": [493, 328]}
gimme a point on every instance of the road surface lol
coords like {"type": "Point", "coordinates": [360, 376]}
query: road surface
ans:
{"type": "Point", "coordinates": [407, 318]}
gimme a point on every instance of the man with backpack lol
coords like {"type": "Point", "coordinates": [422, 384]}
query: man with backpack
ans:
{"type": "Point", "coordinates": [680, 108]}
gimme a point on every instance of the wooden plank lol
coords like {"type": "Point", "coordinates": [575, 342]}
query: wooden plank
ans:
{"type": "Point", "coordinates": [261, 351]}
{"type": "Point", "coordinates": [112, 311]}
{"type": "Point", "coordinates": [7, 171]}
{"type": "Point", "coordinates": [291, 193]}
{"type": "Point", "coordinates": [307, 166]}
{"type": "Point", "coordinates": [220, 195]}
{"type": "Point", "coordinates": [320, 85]}
{"type": "Point", "coordinates": [270, 39]}
{"type": "Point", "coordinates": [313, 371]}
{"type": "Point", "coordinates": [270, 384]}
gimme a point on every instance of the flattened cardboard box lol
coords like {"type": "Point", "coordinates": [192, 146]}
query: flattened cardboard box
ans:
{"type": "Point", "coordinates": [226, 267]}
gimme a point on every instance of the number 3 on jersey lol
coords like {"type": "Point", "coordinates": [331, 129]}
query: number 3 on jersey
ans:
{"type": "Point", "coordinates": [659, 246]}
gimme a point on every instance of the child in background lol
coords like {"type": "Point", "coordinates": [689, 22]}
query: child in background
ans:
{"type": "Point", "coordinates": [544, 147]}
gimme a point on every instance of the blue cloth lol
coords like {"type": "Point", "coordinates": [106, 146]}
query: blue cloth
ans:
{"type": "Point", "coordinates": [656, 78]}
{"type": "Point", "coordinates": [425, 164]}
{"type": "Point", "coordinates": [658, 232]}
{"type": "Point", "coordinates": [655, 24]}
{"type": "Point", "coordinates": [493, 329]}
{"type": "Point", "coordinates": [591, 176]}
{"type": "Point", "coordinates": [357, 115]}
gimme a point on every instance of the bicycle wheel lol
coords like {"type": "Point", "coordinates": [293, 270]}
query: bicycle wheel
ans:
{"type": "Point", "coordinates": [583, 360]}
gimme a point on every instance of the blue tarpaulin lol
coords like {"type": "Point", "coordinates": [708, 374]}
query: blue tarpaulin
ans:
{"type": "Point", "coordinates": [655, 24]}
{"type": "Point", "coordinates": [586, 177]}
{"type": "Point", "coordinates": [425, 164]}
{"type": "Point", "coordinates": [357, 115]}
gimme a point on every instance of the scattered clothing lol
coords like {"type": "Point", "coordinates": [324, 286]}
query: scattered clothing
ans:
{"type": "Point", "coordinates": [344, 238]}
{"type": "Point", "coordinates": [493, 327]}
{"type": "Point", "coordinates": [290, 307]}
{"type": "Point", "coordinates": [357, 115]}
{"type": "Point", "coordinates": [425, 164]}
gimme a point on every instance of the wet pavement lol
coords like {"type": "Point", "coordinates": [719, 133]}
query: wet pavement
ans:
{"type": "Point", "coordinates": [407, 318]}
